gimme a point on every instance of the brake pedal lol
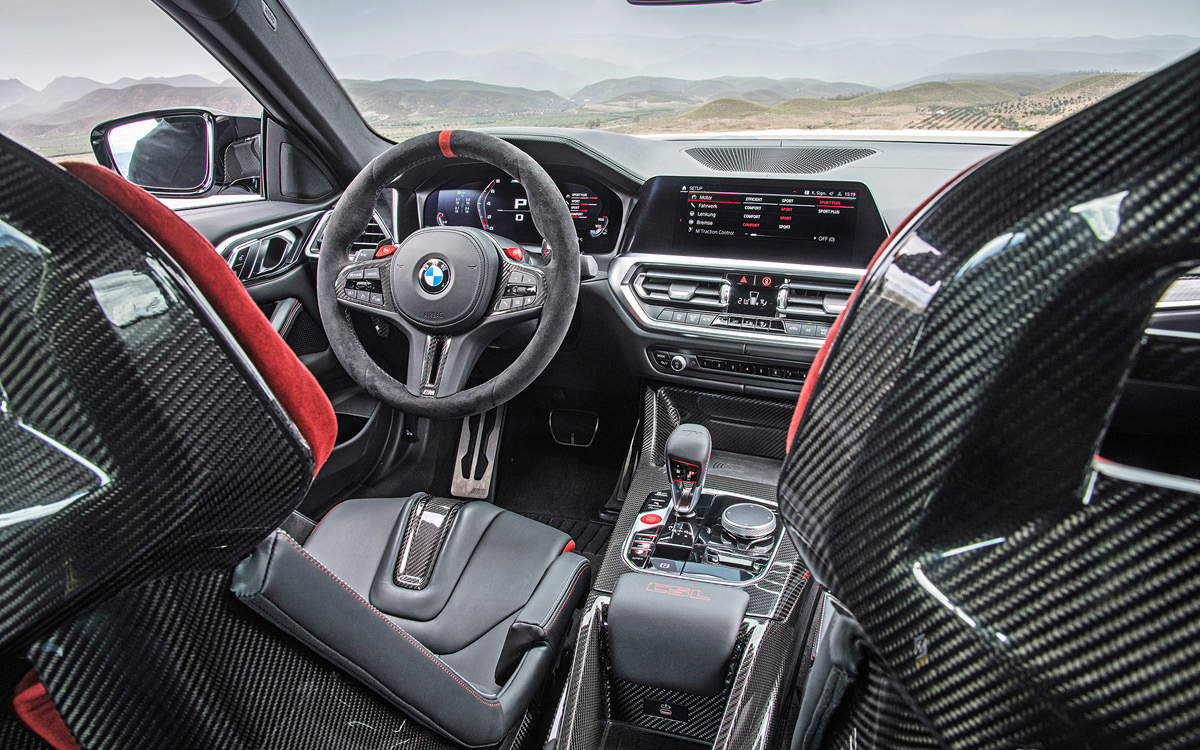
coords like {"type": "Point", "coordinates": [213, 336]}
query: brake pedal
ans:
{"type": "Point", "coordinates": [475, 462]}
{"type": "Point", "coordinates": [573, 427]}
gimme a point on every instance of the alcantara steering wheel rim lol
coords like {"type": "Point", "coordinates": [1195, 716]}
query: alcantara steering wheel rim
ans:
{"type": "Point", "coordinates": [451, 290]}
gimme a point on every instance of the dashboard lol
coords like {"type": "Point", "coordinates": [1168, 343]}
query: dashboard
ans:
{"type": "Point", "coordinates": [713, 263]}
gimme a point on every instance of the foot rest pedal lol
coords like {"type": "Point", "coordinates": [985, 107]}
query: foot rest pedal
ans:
{"type": "Point", "coordinates": [574, 427]}
{"type": "Point", "coordinates": [475, 462]}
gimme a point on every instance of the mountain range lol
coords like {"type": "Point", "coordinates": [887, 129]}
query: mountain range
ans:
{"type": "Point", "coordinates": [558, 86]}
{"type": "Point", "coordinates": [558, 66]}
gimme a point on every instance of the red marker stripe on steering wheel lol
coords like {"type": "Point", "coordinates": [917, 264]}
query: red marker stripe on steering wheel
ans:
{"type": "Point", "coordinates": [444, 143]}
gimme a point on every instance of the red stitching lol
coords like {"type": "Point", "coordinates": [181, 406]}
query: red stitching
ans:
{"type": "Point", "coordinates": [391, 624]}
{"type": "Point", "coordinates": [567, 598]}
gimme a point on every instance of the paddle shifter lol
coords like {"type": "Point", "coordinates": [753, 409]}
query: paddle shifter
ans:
{"type": "Point", "coordinates": [687, 452]}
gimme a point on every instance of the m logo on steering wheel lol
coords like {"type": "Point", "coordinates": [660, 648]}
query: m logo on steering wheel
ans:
{"type": "Point", "coordinates": [434, 276]}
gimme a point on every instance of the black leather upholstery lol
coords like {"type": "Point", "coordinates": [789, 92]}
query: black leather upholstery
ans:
{"type": "Point", "coordinates": [677, 635]}
{"type": "Point", "coordinates": [465, 654]}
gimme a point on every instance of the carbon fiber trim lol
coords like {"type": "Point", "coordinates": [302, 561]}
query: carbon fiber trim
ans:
{"type": "Point", "coordinates": [941, 476]}
{"type": "Point", "coordinates": [179, 663]}
{"type": "Point", "coordinates": [15, 736]}
{"type": "Point", "coordinates": [738, 424]}
{"type": "Point", "coordinates": [127, 408]}
{"type": "Point", "coordinates": [429, 522]}
{"type": "Point", "coordinates": [703, 712]}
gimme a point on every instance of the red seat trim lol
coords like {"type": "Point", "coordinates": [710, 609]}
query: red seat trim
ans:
{"type": "Point", "coordinates": [289, 380]}
{"type": "Point", "coordinates": [31, 703]}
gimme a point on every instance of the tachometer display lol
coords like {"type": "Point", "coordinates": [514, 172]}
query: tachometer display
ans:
{"type": "Point", "coordinates": [504, 209]}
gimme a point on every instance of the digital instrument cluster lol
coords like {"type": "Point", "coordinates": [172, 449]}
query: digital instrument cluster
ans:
{"type": "Point", "coordinates": [499, 204]}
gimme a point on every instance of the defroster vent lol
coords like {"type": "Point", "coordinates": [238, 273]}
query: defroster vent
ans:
{"type": "Point", "coordinates": [776, 159]}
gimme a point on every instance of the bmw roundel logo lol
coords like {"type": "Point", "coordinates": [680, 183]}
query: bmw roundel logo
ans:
{"type": "Point", "coordinates": [434, 276]}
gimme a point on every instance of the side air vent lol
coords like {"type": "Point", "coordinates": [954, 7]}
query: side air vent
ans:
{"type": "Point", "coordinates": [679, 287]}
{"type": "Point", "coordinates": [370, 238]}
{"type": "Point", "coordinates": [776, 160]}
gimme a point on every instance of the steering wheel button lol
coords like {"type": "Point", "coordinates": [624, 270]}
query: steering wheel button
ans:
{"type": "Point", "coordinates": [385, 250]}
{"type": "Point", "coordinates": [505, 304]}
{"type": "Point", "coordinates": [376, 299]}
{"type": "Point", "coordinates": [371, 273]}
{"type": "Point", "coordinates": [515, 253]}
{"type": "Point", "coordinates": [355, 274]}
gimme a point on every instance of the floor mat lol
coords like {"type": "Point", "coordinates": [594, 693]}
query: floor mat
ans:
{"type": "Point", "coordinates": [537, 476]}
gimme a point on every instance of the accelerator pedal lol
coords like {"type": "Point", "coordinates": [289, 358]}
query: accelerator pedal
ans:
{"type": "Point", "coordinates": [475, 462]}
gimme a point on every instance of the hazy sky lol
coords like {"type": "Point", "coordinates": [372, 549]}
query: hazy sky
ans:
{"type": "Point", "coordinates": [43, 39]}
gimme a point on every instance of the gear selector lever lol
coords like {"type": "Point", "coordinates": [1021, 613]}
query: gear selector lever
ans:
{"type": "Point", "coordinates": [688, 450]}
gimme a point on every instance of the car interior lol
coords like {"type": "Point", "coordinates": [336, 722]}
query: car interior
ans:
{"type": "Point", "coordinates": [556, 438]}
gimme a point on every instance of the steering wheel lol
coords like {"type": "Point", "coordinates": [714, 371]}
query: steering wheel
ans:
{"type": "Point", "coordinates": [451, 290]}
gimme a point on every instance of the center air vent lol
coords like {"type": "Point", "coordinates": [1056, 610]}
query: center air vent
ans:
{"type": "Point", "coordinates": [679, 287]}
{"type": "Point", "coordinates": [369, 239]}
{"type": "Point", "coordinates": [776, 160]}
{"type": "Point", "coordinates": [814, 298]}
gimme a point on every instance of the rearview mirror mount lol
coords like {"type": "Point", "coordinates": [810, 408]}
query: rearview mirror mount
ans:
{"type": "Point", "coordinates": [691, 2]}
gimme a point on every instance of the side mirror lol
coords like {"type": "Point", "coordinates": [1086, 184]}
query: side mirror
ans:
{"type": "Point", "coordinates": [182, 152]}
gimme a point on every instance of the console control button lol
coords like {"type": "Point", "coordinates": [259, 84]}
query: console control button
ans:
{"type": "Point", "coordinates": [681, 471]}
{"type": "Point", "coordinates": [651, 518]}
{"type": "Point", "coordinates": [667, 567]}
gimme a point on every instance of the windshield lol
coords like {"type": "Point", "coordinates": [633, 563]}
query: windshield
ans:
{"type": "Point", "coordinates": [1018, 65]}
{"type": "Point", "coordinates": [777, 67]}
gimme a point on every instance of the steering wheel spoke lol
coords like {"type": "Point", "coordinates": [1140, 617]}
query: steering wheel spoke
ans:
{"type": "Point", "coordinates": [366, 286]}
{"type": "Point", "coordinates": [521, 290]}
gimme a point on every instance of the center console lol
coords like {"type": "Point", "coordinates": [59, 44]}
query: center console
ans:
{"type": "Point", "coordinates": [701, 607]}
{"type": "Point", "coordinates": [690, 533]}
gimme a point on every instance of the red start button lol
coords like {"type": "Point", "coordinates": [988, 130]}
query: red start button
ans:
{"type": "Point", "coordinates": [651, 518]}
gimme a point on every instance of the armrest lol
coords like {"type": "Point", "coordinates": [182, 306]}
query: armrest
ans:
{"type": "Point", "coordinates": [544, 617]}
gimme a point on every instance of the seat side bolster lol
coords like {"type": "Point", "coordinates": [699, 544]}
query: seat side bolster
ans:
{"type": "Point", "coordinates": [545, 618]}
{"type": "Point", "coordinates": [281, 581]}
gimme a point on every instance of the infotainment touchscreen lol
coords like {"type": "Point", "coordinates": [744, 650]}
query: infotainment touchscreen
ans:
{"type": "Point", "coordinates": [813, 222]}
{"type": "Point", "coordinates": [809, 218]}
